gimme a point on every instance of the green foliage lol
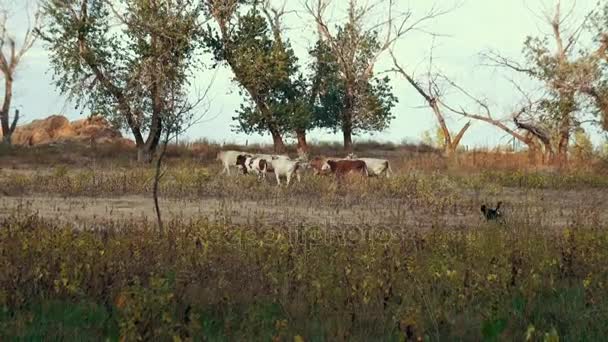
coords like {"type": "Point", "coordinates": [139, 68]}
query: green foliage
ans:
{"type": "Point", "coordinates": [364, 104]}
{"type": "Point", "coordinates": [136, 73]}
{"type": "Point", "coordinates": [266, 68]}
{"type": "Point", "coordinates": [435, 139]}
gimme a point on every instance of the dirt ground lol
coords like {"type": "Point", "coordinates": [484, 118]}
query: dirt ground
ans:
{"type": "Point", "coordinates": [549, 208]}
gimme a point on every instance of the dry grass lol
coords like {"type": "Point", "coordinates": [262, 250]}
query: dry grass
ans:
{"type": "Point", "coordinates": [225, 281]}
{"type": "Point", "coordinates": [379, 259]}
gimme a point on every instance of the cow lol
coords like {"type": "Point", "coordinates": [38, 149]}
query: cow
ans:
{"type": "Point", "coordinates": [343, 167]}
{"type": "Point", "coordinates": [316, 164]}
{"type": "Point", "coordinates": [286, 167]}
{"type": "Point", "coordinates": [258, 166]}
{"type": "Point", "coordinates": [270, 157]}
{"type": "Point", "coordinates": [375, 167]}
{"type": "Point", "coordinates": [229, 158]}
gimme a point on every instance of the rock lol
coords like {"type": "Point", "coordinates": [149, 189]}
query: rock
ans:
{"type": "Point", "coordinates": [57, 128]}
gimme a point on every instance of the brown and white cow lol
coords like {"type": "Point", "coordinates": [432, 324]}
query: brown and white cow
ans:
{"type": "Point", "coordinates": [249, 164]}
{"type": "Point", "coordinates": [375, 166]}
{"type": "Point", "coordinates": [316, 164]}
{"type": "Point", "coordinates": [343, 167]}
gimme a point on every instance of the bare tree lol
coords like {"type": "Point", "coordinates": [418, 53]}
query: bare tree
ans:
{"type": "Point", "coordinates": [533, 131]}
{"type": "Point", "coordinates": [10, 57]}
{"type": "Point", "coordinates": [181, 114]}
{"type": "Point", "coordinates": [356, 68]}
{"type": "Point", "coordinates": [432, 97]}
{"type": "Point", "coordinates": [566, 69]}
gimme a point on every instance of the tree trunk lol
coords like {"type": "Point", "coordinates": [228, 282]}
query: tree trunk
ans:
{"type": "Point", "coordinates": [564, 140]}
{"type": "Point", "coordinates": [302, 143]}
{"type": "Point", "coordinates": [6, 139]}
{"type": "Point", "coordinates": [347, 132]}
{"type": "Point", "coordinates": [562, 148]}
{"type": "Point", "coordinates": [6, 105]}
{"type": "Point", "coordinates": [277, 140]}
{"type": "Point", "coordinates": [347, 126]}
{"type": "Point", "coordinates": [144, 154]}
{"type": "Point", "coordinates": [448, 151]}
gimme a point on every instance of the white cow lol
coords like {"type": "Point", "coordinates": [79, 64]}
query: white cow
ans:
{"type": "Point", "coordinates": [287, 168]}
{"type": "Point", "coordinates": [270, 157]}
{"type": "Point", "coordinates": [375, 166]}
{"type": "Point", "coordinates": [228, 159]}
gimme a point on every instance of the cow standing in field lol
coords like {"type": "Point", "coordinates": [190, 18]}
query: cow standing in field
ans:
{"type": "Point", "coordinates": [258, 166]}
{"type": "Point", "coordinates": [316, 164]}
{"type": "Point", "coordinates": [228, 159]}
{"type": "Point", "coordinates": [375, 167]}
{"type": "Point", "coordinates": [287, 168]}
{"type": "Point", "coordinates": [341, 168]}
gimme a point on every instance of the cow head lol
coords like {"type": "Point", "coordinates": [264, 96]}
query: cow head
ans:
{"type": "Point", "coordinates": [240, 162]}
{"type": "Point", "coordinates": [327, 166]}
{"type": "Point", "coordinates": [351, 156]}
{"type": "Point", "coordinates": [316, 164]}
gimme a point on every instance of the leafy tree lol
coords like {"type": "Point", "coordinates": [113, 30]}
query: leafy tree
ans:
{"type": "Point", "coordinates": [361, 101]}
{"type": "Point", "coordinates": [131, 72]}
{"type": "Point", "coordinates": [249, 40]}
{"type": "Point", "coordinates": [342, 106]}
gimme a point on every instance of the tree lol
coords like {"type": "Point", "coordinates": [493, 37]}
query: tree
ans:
{"type": "Point", "coordinates": [598, 91]}
{"type": "Point", "coordinates": [356, 46]}
{"type": "Point", "coordinates": [432, 97]}
{"type": "Point", "coordinates": [569, 72]}
{"type": "Point", "coordinates": [332, 104]}
{"type": "Point", "coordinates": [512, 123]}
{"type": "Point", "coordinates": [10, 57]}
{"type": "Point", "coordinates": [249, 40]}
{"type": "Point", "coordinates": [123, 59]}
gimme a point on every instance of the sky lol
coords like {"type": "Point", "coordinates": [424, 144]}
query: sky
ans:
{"type": "Point", "coordinates": [473, 27]}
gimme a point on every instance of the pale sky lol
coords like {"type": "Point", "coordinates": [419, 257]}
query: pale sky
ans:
{"type": "Point", "coordinates": [476, 26]}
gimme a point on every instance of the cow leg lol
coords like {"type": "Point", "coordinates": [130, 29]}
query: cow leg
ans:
{"type": "Point", "coordinates": [298, 174]}
{"type": "Point", "coordinates": [278, 178]}
{"type": "Point", "coordinates": [289, 177]}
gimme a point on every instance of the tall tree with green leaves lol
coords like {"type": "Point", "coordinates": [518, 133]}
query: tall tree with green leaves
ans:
{"type": "Point", "coordinates": [364, 108]}
{"type": "Point", "coordinates": [370, 29]}
{"type": "Point", "coordinates": [126, 59]}
{"type": "Point", "coordinates": [248, 38]}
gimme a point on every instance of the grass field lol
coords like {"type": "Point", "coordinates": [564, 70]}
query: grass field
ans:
{"type": "Point", "coordinates": [404, 258]}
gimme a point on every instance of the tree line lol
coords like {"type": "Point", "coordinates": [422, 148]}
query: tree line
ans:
{"type": "Point", "coordinates": [134, 61]}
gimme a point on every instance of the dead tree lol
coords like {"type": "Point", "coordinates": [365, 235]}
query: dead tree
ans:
{"type": "Point", "coordinates": [566, 69]}
{"type": "Point", "coordinates": [432, 97]}
{"type": "Point", "coordinates": [533, 132]}
{"type": "Point", "coordinates": [10, 57]}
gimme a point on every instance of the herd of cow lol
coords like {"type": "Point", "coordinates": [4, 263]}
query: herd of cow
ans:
{"type": "Point", "coordinates": [283, 166]}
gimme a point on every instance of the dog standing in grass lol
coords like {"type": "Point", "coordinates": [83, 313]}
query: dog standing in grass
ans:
{"type": "Point", "coordinates": [492, 214]}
